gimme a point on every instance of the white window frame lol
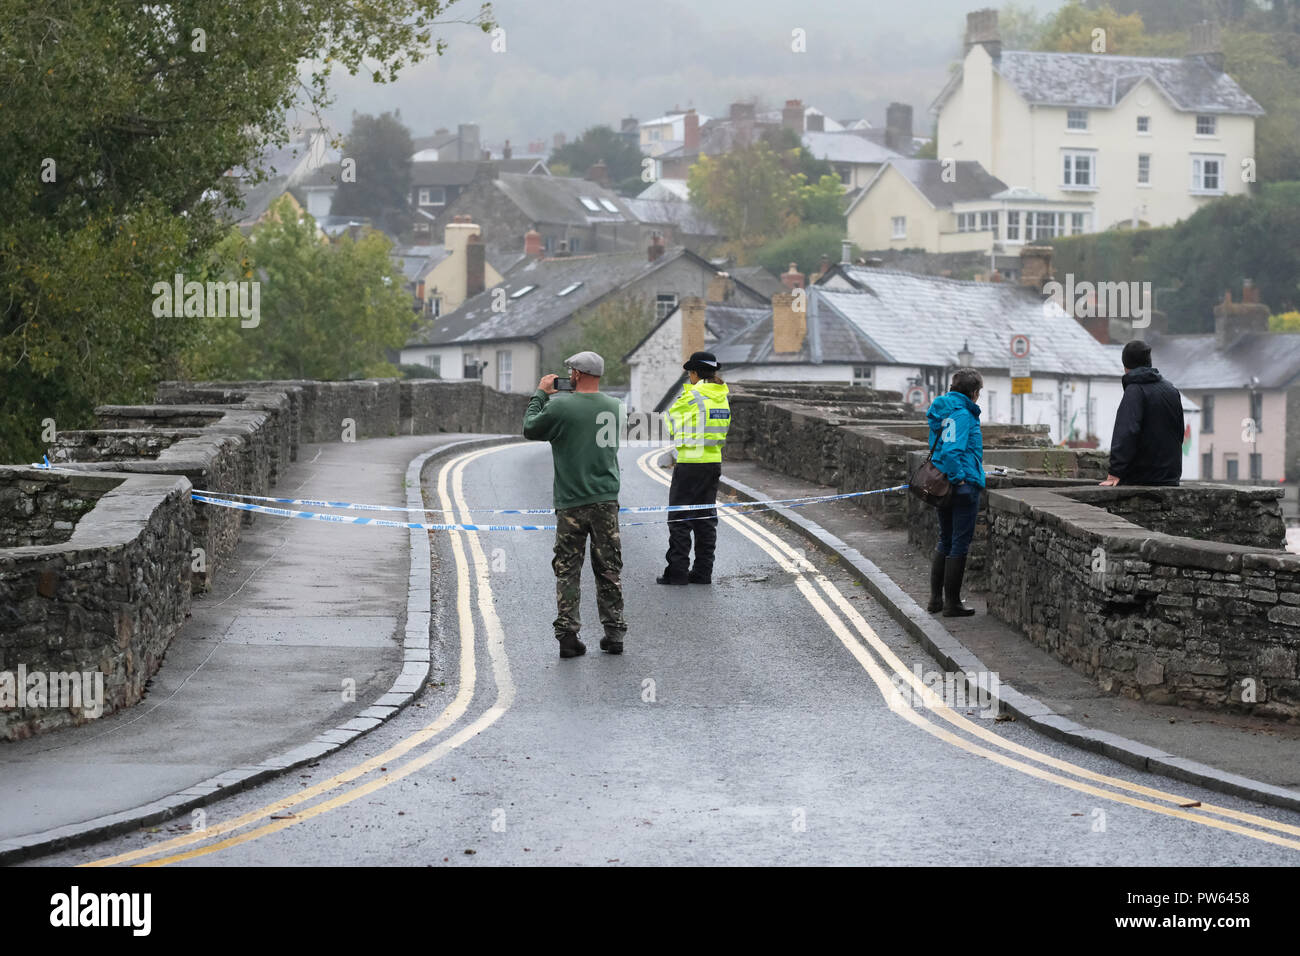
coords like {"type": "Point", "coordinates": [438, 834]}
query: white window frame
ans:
{"type": "Point", "coordinates": [1212, 122]}
{"type": "Point", "coordinates": [1198, 173]}
{"type": "Point", "coordinates": [434, 361]}
{"type": "Point", "coordinates": [899, 227]}
{"type": "Point", "coordinates": [1078, 223]}
{"type": "Point", "coordinates": [1070, 170]}
{"type": "Point", "coordinates": [1013, 225]}
{"type": "Point", "coordinates": [1144, 170]}
{"type": "Point", "coordinates": [1140, 130]}
{"type": "Point", "coordinates": [864, 375]}
{"type": "Point", "coordinates": [665, 303]}
{"type": "Point", "coordinates": [1072, 117]}
{"type": "Point", "coordinates": [589, 204]}
{"type": "Point", "coordinates": [505, 370]}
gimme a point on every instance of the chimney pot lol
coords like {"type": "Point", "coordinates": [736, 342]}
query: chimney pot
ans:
{"type": "Point", "coordinates": [793, 278]}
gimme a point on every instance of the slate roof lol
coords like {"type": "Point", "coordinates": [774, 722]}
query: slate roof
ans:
{"type": "Point", "coordinates": [683, 216]}
{"type": "Point", "coordinates": [924, 320]}
{"type": "Point", "coordinates": [461, 173]}
{"type": "Point", "coordinates": [666, 190]}
{"type": "Point", "coordinates": [1102, 81]}
{"type": "Point", "coordinates": [759, 279]}
{"type": "Point", "coordinates": [1195, 361]}
{"type": "Point", "coordinates": [534, 312]}
{"type": "Point", "coordinates": [830, 338]}
{"type": "Point", "coordinates": [971, 181]}
{"type": "Point", "coordinates": [556, 199]}
{"type": "Point", "coordinates": [849, 147]}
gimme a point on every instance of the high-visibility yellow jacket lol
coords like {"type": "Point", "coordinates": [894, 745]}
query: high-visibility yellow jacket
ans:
{"type": "Point", "coordinates": [698, 421]}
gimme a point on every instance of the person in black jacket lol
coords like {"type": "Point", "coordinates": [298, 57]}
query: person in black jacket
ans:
{"type": "Point", "coordinates": [1147, 446]}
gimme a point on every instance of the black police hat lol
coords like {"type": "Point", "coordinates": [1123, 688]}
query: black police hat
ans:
{"type": "Point", "coordinates": [703, 362]}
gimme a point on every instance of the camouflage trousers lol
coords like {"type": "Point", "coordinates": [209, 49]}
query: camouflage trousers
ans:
{"type": "Point", "coordinates": [573, 526]}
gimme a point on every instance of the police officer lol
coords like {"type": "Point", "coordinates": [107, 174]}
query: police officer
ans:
{"type": "Point", "coordinates": [698, 422]}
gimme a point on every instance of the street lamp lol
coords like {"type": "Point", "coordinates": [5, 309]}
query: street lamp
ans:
{"type": "Point", "coordinates": [965, 358]}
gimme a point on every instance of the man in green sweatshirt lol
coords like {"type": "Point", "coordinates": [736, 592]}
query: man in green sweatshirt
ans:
{"type": "Point", "coordinates": [583, 427]}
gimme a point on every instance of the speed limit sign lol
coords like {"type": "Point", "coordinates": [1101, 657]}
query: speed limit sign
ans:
{"type": "Point", "coordinates": [1020, 346]}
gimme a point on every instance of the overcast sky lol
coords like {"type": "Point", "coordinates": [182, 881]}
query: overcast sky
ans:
{"type": "Point", "coordinates": [571, 64]}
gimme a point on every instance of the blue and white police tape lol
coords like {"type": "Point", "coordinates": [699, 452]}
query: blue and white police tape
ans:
{"type": "Point", "coordinates": [748, 506]}
{"type": "Point", "coordinates": [641, 509]}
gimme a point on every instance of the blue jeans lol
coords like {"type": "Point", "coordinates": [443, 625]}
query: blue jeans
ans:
{"type": "Point", "coordinates": [957, 524]}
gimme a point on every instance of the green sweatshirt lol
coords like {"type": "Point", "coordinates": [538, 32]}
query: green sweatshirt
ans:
{"type": "Point", "coordinates": [583, 429]}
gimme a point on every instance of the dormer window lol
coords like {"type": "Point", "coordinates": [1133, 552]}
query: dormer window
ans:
{"type": "Point", "coordinates": [589, 204]}
{"type": "Point", "coordinates": [1077, 120]}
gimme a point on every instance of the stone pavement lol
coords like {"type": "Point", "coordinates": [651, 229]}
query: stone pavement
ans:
{"type": "Point", "coordinates": [1256, 748]}
{"type": "Point", "coordinates": [304, 611]}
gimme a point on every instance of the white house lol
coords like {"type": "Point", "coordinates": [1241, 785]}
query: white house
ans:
{"type": "Point", "coordinates": [1145, 140]}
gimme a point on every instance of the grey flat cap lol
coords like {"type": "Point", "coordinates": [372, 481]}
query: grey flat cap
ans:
{"type": "Point", "coordinates": [588, 362]}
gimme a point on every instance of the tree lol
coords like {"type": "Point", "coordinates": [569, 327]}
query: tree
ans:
{"type": "Point", "coordinates": [805, 247]}
{"type": "Point", "coordinates": [381, 148]}
{"type": "Point", "coordinates": [622, 159]}
{"type": "Point", "coordinates": [821, 203]}
{"type": "Point", "coordinates": [747, 192]}
{"type": "Point", "coordinates": [1021, 26]}
{"type": "Point", "coordinates": [1074, 29]}
{"type": "Point", "coordinates": [329, 310]}
{"type": "Point", "coordinates": [611, 328]}
{"type": "Point", "coordinates": [120, 122]}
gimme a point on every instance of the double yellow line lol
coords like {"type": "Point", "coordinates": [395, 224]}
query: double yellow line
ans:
{"type": "Point", "coordinates": [844, 619]}
{"type": "Point", "coordinates": [452, 473]}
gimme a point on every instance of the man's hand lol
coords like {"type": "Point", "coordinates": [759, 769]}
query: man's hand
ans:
{"type": "Point", "coordinates": [1110, 482]}
{"type": "Point", "coordinates": [547, 384]}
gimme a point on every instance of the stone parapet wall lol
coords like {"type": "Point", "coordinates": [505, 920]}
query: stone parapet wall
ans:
{"type": "Point", "coordinates": [106, 601]}
{"type": "Point", "coordinates": [1206, 511]}
{"type": "Point", "coordinates": [41, 508]}
{"type": "Point", "coordinates": [1152, 616]}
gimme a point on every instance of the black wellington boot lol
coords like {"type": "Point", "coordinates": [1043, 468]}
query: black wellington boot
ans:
{"type": "Point", "coordinates": [953, 571]}
{"type": "Point", "coordinates": [937, 562]}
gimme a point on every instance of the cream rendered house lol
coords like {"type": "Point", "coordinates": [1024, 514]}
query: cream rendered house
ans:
{"type": "Point", "coordinates": [957, 207]}
{"type": "Point", "coordinates": [1145, 140]}
{"type": "Point", "coordinates": [444, 283]}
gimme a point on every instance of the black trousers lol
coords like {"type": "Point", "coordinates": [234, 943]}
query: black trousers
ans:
{"type": "Point", "coordinates": [694, 483]}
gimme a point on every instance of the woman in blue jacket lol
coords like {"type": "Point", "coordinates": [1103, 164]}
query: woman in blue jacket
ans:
{"type": "Point", "coordinates": [958, 453]}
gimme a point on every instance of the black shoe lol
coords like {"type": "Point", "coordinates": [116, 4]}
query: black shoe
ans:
{"type": "Point", "coordinates": [700, 578]}
{"type": "Point", "coordinates": [611, 646]}
{"type": "Point", "coordinates": [665, 579]}
{"type": "Point", "coordinates": [954, 570]}
{"type": "Point", "coordinates": [570, 646]}
{"type": "Point", "coordinates": [937, 561]}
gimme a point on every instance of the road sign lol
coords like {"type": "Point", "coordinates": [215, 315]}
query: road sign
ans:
{"type": "Point", "coordinates": [916, 396]}
{"type": "Point", "coordinates": [1022, 386]}
{"type": "Point", "coordinates": [1020, 346]}
{"type": "Point", "coordinates": [1020, 368]}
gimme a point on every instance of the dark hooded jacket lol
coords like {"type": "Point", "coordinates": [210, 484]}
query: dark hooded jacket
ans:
{"type": "Point", "coordinates": [1147, 446]}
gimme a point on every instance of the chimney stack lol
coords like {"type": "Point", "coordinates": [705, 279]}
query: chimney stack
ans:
{"type": "Point", "coordinates": [793, 278]}
{"type": "Point", "coordinates": [1207, 45]}
{"type": "Point", "coordinates": [691, 133]}
{"type": "Point", "coordinates": [505, 150]}
{"type": "Point", "coordinates": [598, 173]}
{"type": "Point", "coordinates": [720, 288]}
{"type": "Point", "coordinates": [1035, 267]}
{"type": "Point", "coordinates": [630, 124]}
{"type": "Point", "coordinates": [693, 313]}
{"type": "Point", "coordinates": [792, 116]}
{"type": "Point", "coordinates": [741, 112]}
{"type": "Point", "coordinates": [468, 146]}
{"type": "Point", "coordinates": [475, 261]}
{"type": "Point", "coordinates": [533, 243]}
{"type": "Point", "coordinates": [656, 247]}
{"type": "Point", "coordinates": [982, 29]}
{"type": "Point", "coordinates": [1249, 292]}
{"type": "Point", "coordinates": [846, 252]}
{"type": "Point", "coordinates": [898, 128]}
{"type": "Point", "coordinates": [1232, 319]}
{"type": "Point", "coordinates": [788, 326]}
